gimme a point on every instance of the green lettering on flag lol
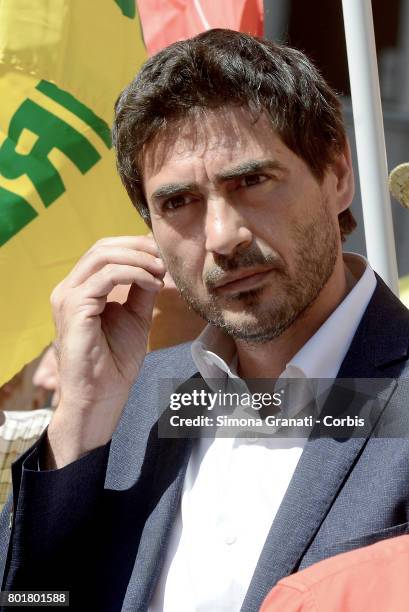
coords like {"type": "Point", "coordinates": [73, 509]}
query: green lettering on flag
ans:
{"type": "Point", "coordinates": [53, 133]}
{"type": "Point", "coordinates": [15, 213]}
{"type": "Point", "coordinates": [127, 7]}
{"type": "Point", "coordinates": [98, 125]}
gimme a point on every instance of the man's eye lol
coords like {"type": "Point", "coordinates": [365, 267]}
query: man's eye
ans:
{"type": "Point", "coordinates": [252, 179]}
{"type": "Point", "coordinates": [177, 202]}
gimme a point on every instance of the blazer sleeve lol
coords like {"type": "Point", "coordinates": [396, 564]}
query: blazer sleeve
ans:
{"type": "Point", "coordinates": [50, 526]}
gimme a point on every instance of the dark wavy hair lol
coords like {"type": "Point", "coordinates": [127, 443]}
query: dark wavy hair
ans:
{"type": "Point", "coordinates": [222, 68]}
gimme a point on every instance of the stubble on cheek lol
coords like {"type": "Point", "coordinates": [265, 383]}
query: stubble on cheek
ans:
{"type": "Point", "coordinates": [180, 273]}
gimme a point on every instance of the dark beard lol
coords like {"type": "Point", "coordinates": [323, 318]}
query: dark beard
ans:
{"type": "Point", "coordinates": [315, 260]}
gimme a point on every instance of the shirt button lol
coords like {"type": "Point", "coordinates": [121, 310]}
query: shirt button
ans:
{"type": "Point", "coordinates": [230, 539]}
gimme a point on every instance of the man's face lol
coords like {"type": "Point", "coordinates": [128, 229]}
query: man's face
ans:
{"type": "Point", "coordinates": [248, 234]}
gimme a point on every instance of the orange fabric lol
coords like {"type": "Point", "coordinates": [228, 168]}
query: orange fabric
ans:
{"type": "Point", "coordinates": [166, 21]}
{"type": "Point", "coordinates": [374, 578]}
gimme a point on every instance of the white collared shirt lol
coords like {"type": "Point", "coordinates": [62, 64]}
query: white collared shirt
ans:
{"type": "Point", "coordinates": [234, 486]}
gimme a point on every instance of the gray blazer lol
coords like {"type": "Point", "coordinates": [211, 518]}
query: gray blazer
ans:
{"type": "Point", "coordinates": [99, 527]}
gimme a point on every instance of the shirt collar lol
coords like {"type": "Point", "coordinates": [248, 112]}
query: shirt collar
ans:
{"type": "Point", "coordinates": [214, 354]}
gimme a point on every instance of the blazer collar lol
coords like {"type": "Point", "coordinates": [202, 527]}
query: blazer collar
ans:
{"type": "Point", "coordinates": [382, 337]}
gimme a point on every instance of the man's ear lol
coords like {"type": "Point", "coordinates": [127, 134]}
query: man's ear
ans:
{"type": "Point", "coordinates": [343, 177]}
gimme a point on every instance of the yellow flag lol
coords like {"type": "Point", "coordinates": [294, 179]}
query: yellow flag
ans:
{"type": "Point", "coordinates": [62, 66]}
{"type": "Point", "coordinates": [404, 290]}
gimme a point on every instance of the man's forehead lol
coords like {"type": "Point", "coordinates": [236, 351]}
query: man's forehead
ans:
{"type": "Point", "coordinates": [229, 130]}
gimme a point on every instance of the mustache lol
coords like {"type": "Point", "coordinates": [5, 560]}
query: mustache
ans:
{"type": "Point", "coordinates": [250, 258]}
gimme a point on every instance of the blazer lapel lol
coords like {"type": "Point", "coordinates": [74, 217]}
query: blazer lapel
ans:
{"type": "Point", "coordinates": [320, 474]}
{"type": "Point", "coordinates": [326, 462]}
{"type": "Point", "coordinates": [173, 457]}
{"type": "Point", "coordinates": [164, 498]}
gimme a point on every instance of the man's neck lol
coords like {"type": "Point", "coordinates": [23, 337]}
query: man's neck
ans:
{"type": "Point", "coordinates": [269, 360]}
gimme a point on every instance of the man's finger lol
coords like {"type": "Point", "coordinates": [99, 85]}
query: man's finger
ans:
{"type": "Point", "coordinates": [101, 283]}
{"type": "Point", "coordinates": [104, 255]}
{"type": "Point", "coordinates": [143, 243]}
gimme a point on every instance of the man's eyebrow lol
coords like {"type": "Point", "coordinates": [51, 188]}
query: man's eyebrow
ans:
{"type": "Point", "coordinates": [248, 167]}
{"type": "Point", "coordinates": [170, 189]}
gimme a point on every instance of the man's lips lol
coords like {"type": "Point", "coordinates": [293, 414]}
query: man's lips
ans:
{"type": "Point", "coordinates": [243, 281]}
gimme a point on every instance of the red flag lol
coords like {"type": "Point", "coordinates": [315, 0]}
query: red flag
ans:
{"type": "Point", "coordinates": [166, 21]}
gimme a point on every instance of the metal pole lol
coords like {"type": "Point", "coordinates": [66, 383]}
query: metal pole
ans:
{"type": "Point", "coordinates": [404, 54]}
{"type": "Point", "coordinates": [276, 14]}
{"type": "Point", "coordinates": [370, 139]}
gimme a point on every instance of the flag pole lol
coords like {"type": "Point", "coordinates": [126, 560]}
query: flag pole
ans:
{"type": "Point", "coordinates": [370, 139]}
{"type": "Point", "coordinates": [276, 19]}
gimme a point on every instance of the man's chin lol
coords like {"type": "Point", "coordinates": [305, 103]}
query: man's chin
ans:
{"type": "Point", "coordinates": [248, 328]}
{"type": "Point", "coordinates": [244, 316]}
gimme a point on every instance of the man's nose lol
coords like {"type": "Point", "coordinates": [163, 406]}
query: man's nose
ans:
{"type": "Point", "coordinates": [225, 228]}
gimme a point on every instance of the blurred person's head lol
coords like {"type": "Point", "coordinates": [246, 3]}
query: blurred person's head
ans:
{"type": "Point", "coordinates": [233, 149]}
{"type": "Point", "coordinates": [46, 375]}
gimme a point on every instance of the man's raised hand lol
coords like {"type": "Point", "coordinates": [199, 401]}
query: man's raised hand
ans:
{"type": "Point", "coordinates": [101, 345]}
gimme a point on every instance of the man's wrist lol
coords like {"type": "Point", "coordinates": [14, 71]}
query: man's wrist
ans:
{"type": "Point", "coordinates": [69, 438]}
